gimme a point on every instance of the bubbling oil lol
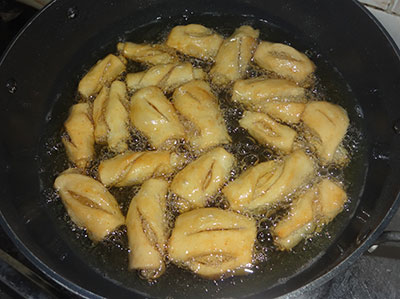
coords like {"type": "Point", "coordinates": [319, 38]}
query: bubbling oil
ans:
{"type": "Point", "coordinates": [247, 151]}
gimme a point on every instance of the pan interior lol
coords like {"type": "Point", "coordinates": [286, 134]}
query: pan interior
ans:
{"type": "Point", "coordinates": [110, 258]}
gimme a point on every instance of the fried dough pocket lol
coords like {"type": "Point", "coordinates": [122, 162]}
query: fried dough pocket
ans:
{"type": "Point", "coordinates": [315, 208]}
{"type": "Point", "coordinates": [195, 40]}
{"type": "Point", "coordinates": [268, 132]}
{"type": "Point", "coordinates": [147, 228]}
{"type": "Point", "coordinates": [102, 74]}
{"type": "Point", "coordinates": [152, 54]}
{"type": "Point", "coordinates": [284, 60]}
{"type": "Point", "coordinates": [197, 104]}
{"type": "Point", "coordinates": [79, 141]}
{"type": "Point", "coordinates": [212, 242]}
{"type": "Point", "coordinates": [202, 178]}
{"type": "Point", "coordinates": [89, 204]}
{"type": "Point", "coordinates": [132, 168]}
{"type": "Point", "coordinates": [266, 184]}
{"type": "Point", "coordinates": [328, 123]}
{"type": "Point", "coordinates": [153, 115]}
{"type": "Point", "coordinates": [234, 56]}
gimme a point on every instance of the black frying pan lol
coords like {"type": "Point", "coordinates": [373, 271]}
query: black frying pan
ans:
{"type": "Point", "coordinates": [357, 62]}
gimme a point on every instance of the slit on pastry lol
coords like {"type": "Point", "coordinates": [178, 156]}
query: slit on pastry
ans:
{"type": "Point", "coordinates": [132, 168]}
{"type": "Point", "coordinates": [79, 141]}
{"type": "Point", "coordinates": [328, 123]}
{"type": "Point", "coordinates": [165, 76]}
{"type": "Point", "coordinates": [102, 74]}
{"type": "Point", "coordinates": [261, 187]}
{"type": "Point", "coordinates": [146, 53]}
{"type": "Point", "coordinates": [147, 228]}
{"type": "Point", "coordinates": [268, 132]}
{"type": "Point", "coordinates": [195, 40]}
{"type": "Point", "coordinates": [234, 56]}
{"type": "Point", "coordinates": [153, 115]}
{"type": "Point", "coordinates": [197, 104]}
{"type": "Point", "coordinates": [202, 178]}
{"type": "Point", "coordinates": [315, 208]}
{"type": "Point", "coordinates": [212, 242]}
{"type": "Point", "coordinates": [284, 60]}
{"type": "Point", "coordinates": [89, 204]}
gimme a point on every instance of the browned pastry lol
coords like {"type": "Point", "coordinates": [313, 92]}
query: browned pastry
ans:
{"type": "Point", "coordinates": [103, 73]}
{"type": "Point", "coordinates": [79, 141]}
{"type": "Point", "coordinates": [147, 228]}
{"type": "Point", "coordinates": [212, 242]}
{"type": "Point", "coordinates": [89, 204]}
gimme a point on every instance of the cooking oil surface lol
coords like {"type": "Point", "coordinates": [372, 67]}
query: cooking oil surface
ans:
{"type": "Point", "coordinates": [110, 257]}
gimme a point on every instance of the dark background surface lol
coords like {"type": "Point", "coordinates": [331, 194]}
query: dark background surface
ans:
{"type": "Point", "coordinates": [371, 276]}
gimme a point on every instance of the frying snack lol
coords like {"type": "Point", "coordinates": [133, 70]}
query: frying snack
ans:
{"type": "Point", "coordinates": [287, 112]}
{"type": "Point", "coordinates": [117, 118]}
{"type": "Point", "coordinates": [212, 242]}
{"type": "Point", "coordinates": [196, 102]}
{"type": "Point", "coordinates": [328, 122]}
{"type": "Point", "coordinates": [153, 115]}
{"type": "Point", "coordinates": [299, 223]}
{"type": "Point", "coordinates": [151, 54]}
{"type": "Point", "coordinates": [253, 91]}
{"type": "Point", "coordinates": [267, 131]}
{"type": "Point", "coordinates": [102, 74]}
{"type": "Point", "coordinates": [132, 168]}
{"type": "Point", "coordinates": [195, 40]}
{"type": "Point", "coordinates": [147, 228]}
{"type": "Point", "coordinates": [89, 204]}
{"type": "Point", "coordinates": [318, 206]}
{"type": "Point", "coordinates": [234, 56]}
{"type": "Point", "coordinates": [165, 76]}
{"type": "Point", "coordinates": [284, 60]}
{"type": "Point", "coordinates": [79, 143]}
{"type": "Point", "coordinates": [100, 125]}
{"type": "Point", "coordinates": [202, 178]}
{"type": "Point", "coordinates": [267, 183]}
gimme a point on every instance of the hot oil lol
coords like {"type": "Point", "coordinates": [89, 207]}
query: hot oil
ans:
{"type": "Point", "coordinates": [110, 257]}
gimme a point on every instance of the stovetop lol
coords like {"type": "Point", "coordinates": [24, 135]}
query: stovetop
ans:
{"type": "Point", "coordinates": [371, 276]}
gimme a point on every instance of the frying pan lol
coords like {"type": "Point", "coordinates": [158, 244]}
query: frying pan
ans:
{"type": "Point", "coordinates": [358, 65]}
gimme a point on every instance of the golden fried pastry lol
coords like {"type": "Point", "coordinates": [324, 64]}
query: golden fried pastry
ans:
{"type": "Point", "coordinates": [165, 76]}
{"type": "Point", "coordinates": [79, 143]}
{"type": "Point", "coordinates": [284, 60]}
{"type": "Point", "coordinates": [132, 168]}
{"type": "Point", "coordinates": [146, 53]}
{"type": "Point", "coordinates": [202, 178]}
{"type": "Point", "coordinates": [318, 206]}
{"type": "Point", "coordinates": [89, 204]}
{"type": "Point", "coordinates": [299, 223]}
{"type": "Point", "coordinates": [266, 184]}
{"type": "Point", "coordinates": [252, 91]}
{"type": "Point", "coordinates": [331, 200]}
{"type": "Point", "coordinates": [234, 56]}
{"type": "Point", "coordinates": [212, 242]}
{"type": "Point", "coordinates": [195, 40]}
{"type": "Point", "coordinates": [100, 125]}
{"type": "Point", "coordinates": [153, 115]}
{"type": "Point", "coordinates": [328, 122]}
{"type": "Point", "coordinates": [147, 228]}
{"type": "Point", "coordinates": [287, 112]}
{"type": "Point", "coordinates": [103, 73]}
{"type": "Point", "coordinates": [117, 118]}
{"type": "Point", "coordinates": [197, 104]}
{"type": "Point", "coordinates": [267, 131]}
